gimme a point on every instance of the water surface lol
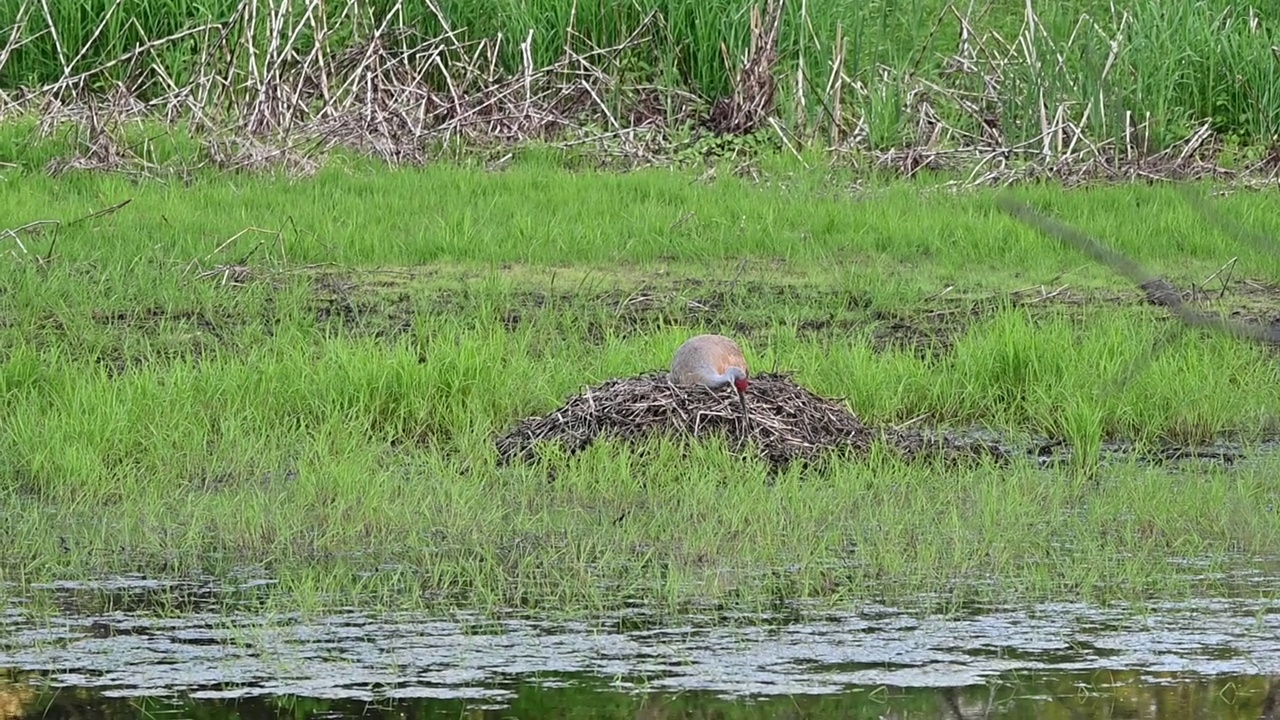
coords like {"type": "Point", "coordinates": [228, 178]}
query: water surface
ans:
{"type": "Point", "coordinates": [112, 652]}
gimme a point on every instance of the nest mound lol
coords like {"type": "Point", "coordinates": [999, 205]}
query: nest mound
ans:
{"type": "Point", "coordinates": [785, 422]}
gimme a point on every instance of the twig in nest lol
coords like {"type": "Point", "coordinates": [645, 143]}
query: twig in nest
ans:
{"type": "Point", "coordinates": [784, 422]}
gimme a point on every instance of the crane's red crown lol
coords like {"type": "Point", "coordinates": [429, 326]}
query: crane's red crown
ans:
{"type": "Point", "coordinates": [740, 383]}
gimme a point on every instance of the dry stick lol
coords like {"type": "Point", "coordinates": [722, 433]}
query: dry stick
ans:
{"type": "Point", "coordinates": [171, 99]}
{"type": "Point", "coordinates": [380, 118]}
{"type": "Point", "coordinates": [416, 83]}
{"type": "Point", "coordinates": [782, 135]}
{"type": "Point", "coordinates": [837, 72]}
{"type": "Point", "coordinates": [1027, 40]}
{"type": "Point", "coordinates": [277, 53]}
{"type": "Point", "coordinates": [571, 30]}
{"type": "Point", "coordinates": [631, 40]}
{"type": "Point", "coordinates": [208, 89]}
{"type": "Point", "coordinates": [250, 30]}
{"type": "Point", "coordinates": [319, 33]}
{"type": "Point", "coordinates": [617, 127]}
{"type": "Point", "coordinates": [1201, 288]}
{"type": "Point", "coordinates": [526, 54]}
{"type": "Point", "coordinates": [1157, 288]}
{"type": "Point", "coordinates": [53, 30]}
{"type": "Point", "coordinates": [97, 31]}
{"type": "Point", "coordinates": [455, 91]}
{"type": "Point", "coordinates": [835, 84]}
{"type": "Point", "coordinates": [565, 91]}
{"type": "Point", "coordinates": [326, 89]}
{"type": "Point", "coordinates": [357, 75]}
{"type": "Point", "coordinates": [16, 32]}
{"type": "Point", "coordinates": [13, 232]}
{"type": "Point", "coordinates": [965, 53]}
{"type": "Point", "coordinates": [101, 213]}
{"type": "Point", "coordinates": [237, 236]}
{"type": "Point", "coordinates": [801, 110]}
{"type": "Point", "coordinates": [127, 57]}
{"type": "Point", "coordinates": [319, 21]}
{"type": "Point", "coordinates": [593, 139]}
{"type": "Point", "coordinates": [592, 72]}
{"type": "Point", "coordinates": [494, 98]}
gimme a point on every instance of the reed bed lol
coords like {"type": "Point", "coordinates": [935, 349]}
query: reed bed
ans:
{"type": "Point", "coordinates": [1077, 91]}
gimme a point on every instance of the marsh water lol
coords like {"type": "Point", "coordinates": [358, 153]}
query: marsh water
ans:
{"type": "Point", "coordinates": [136, 648]}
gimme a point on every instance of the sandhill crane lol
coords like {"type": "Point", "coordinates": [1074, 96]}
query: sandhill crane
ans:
{"type": "Point", "coordinates": [711, 360]}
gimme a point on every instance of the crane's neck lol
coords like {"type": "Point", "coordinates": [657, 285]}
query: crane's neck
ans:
{"type": "Point", "coordinates": [731, 376]}
{"type": "Point", "coordinates": [724, 378]}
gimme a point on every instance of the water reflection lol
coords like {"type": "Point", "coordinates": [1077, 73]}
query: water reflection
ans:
{"type": "Point", "coordinates": [1074, 696]}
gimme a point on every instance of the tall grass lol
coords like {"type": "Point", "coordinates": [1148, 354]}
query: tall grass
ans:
{"type": "Point", "coordinates": [1146, 74]}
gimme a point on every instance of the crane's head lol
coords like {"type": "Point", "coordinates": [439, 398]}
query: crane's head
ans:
{"type": "Point", "coordinates": [740, 382]}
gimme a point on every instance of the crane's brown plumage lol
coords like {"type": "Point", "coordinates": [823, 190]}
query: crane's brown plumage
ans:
{"type": "Point", "coordinates": [699, 354]}
{"type": "Point", "coordinates": [711, 360]}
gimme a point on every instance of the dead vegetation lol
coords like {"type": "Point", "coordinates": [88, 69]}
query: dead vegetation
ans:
{"type": "Point", "coordinates": [785, 422]}
{"type": "Point", "coordinates": [751, 105]}
{"type": "Point", "coordinates": [368, 83]}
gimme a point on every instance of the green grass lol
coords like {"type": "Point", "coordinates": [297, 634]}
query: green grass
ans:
{"type": "Point", "coordinates": [330, 422]}
{"type": "Point", "coordinates": [1103, 69]}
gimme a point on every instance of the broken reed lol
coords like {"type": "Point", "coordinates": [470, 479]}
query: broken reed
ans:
{"type": "Point", "coordinates": [1049, 80]}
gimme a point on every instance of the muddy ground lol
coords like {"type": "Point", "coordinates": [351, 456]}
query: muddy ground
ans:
{"type": "Point", "coordinates": [388, 304]}
{"type": "Point", "coordinates": [745, 308]}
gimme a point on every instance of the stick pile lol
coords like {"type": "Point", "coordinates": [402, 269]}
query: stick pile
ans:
{"type": "Point", "coordinates": [785, 421]}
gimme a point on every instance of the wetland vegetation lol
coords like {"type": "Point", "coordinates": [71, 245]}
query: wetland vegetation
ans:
{"type": "Point", "coordinates": [273, 277]}
{"type": "Point", "coordinates": [324, 406]}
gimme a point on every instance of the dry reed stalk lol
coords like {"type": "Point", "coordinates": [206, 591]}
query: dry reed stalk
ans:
{"type": "Point", "coordinates": [754, 88]}
{"type": "Point", "coordinates": [403, 97]}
